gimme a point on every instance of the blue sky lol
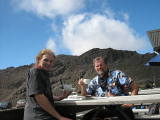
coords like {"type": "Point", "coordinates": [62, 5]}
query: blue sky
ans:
{"type": "Point", "coordinates": [73, 27]}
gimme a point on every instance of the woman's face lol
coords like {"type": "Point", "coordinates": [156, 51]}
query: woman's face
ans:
{"type": "Point", "coordinates": [46, 62]}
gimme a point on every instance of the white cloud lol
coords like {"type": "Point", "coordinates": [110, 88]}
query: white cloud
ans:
{"type": "Point", "coordinates": [82, 33]}
{"type": "Point", "coordinates": [51, 44]}
{"type": "Point", "coordinates": [85, 31]}
{"type": "Point", "coordinates": [49, 8]}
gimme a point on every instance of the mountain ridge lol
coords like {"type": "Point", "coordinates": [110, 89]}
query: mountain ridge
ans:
{"type": "Point", "coordinates": [70, 68]}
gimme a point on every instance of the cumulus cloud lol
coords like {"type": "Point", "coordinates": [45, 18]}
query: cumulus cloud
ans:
{"type": "Point", "coordinates": [82, 33]}
{"type": "Point", "coordinates": [51, 44]}
{"type": "Point", "coordinates": [49, 8]}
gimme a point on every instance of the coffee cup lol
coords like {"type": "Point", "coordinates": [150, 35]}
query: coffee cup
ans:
{"type": "Point", "coordinates": [67, 87]}
{"type": "Point", "coordinates": [86, 81]}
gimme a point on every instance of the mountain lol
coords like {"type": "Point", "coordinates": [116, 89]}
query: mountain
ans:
{"type": "Point", "coordinates": [70, 68]}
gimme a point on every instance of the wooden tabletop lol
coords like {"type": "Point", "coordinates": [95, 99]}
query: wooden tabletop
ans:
{"type": "Point", "coordinates": [117, 100]}
{"type": "Point", "coordinates": [79, 105]}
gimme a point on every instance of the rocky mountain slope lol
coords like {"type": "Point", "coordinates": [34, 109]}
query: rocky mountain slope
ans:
{"type": "Point", "coordinates": [70, 68]}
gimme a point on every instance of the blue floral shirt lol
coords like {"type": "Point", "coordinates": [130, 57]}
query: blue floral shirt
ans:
{"type": "Point", "coordinates": [118, 83]}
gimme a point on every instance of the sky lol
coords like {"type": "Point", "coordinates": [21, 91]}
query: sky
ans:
{"type": "Point", "coordinates": [72, 27]}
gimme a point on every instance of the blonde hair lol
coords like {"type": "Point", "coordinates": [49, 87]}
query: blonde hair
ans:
{"type": "Point", "coordinates": [44, 52]}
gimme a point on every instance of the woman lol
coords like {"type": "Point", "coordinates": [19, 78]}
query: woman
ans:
{"type": "Point", "coordinates": [40, 102]}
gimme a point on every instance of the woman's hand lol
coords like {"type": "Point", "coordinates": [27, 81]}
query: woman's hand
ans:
{"type": "Point", "coordinates": [66, 94]}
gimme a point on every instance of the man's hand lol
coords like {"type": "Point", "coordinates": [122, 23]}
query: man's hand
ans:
{"type": "Point", "coordinates": [82, 87]}
{"type": "Point", "coordinates": [80, 82]}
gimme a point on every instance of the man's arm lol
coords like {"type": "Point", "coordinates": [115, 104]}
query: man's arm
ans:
{"type": "Point", "coordinates": [46, 105]}
{"type": "Point", "coordinates": [134, 88]}
{"type": "Point", "coordinates": [134, 91]}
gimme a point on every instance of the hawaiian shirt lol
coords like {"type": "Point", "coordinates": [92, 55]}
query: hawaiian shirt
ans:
{"type": "Point", "coordinates": [117, 83]}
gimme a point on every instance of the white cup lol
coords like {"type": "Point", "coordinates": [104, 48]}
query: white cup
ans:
{"type": "Point", "coordinates": [86, 81]}
{"type": "Point", "coordinates": [67, 87]}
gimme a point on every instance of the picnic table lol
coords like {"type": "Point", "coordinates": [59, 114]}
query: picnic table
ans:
{"type": "Point", "coordinates": [79, 104]}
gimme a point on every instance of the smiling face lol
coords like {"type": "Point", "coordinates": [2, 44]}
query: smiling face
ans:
{"type": "Point", "coordinates": [46, 61]}
{"type": "Point", "coordinates": [100, 67]}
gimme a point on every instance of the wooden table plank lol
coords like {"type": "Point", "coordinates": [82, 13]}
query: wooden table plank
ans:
{"type": "Point", "coordinates": [117, 100]}
{"type": "Point", "coordinates": [149, 91]}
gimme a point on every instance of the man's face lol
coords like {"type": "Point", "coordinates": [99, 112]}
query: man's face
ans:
{"type": "Point", "coordinates": [100, 67]}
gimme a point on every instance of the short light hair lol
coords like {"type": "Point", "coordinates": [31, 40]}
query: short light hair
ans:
{"type": "Point", "coordinates": [98, 59]}
{"type": "Point", "coordinates": [44, 52]}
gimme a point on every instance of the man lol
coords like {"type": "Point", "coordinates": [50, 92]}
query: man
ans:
{"type": "Point", "coordinates": [109, 83]}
